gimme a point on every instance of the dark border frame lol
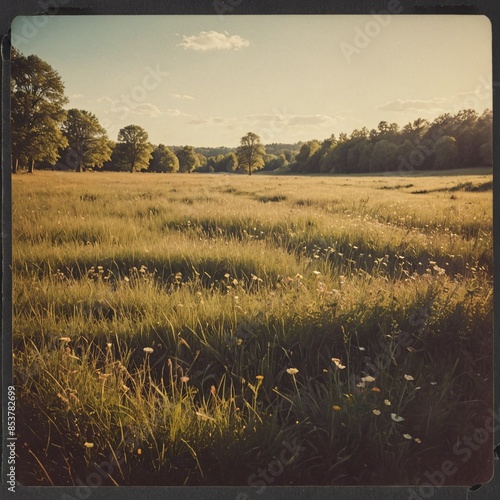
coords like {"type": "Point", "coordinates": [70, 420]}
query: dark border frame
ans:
{"type": "Point", "coordinates": [13, 8]}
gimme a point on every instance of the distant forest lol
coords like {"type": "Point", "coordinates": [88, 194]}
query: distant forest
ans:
{"type": "Point", "coordinates": [45, 135]}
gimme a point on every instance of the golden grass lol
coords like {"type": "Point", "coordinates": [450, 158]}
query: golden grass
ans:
{"type": "Point", "coordinates": [232, 281]}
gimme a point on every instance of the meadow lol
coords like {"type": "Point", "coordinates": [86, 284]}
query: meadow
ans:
{"type": "Point", "coordinates": [217, 329]}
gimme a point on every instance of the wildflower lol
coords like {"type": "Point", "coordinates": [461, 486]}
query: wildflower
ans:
{"type": "Point", "coordinates": [375, 389]}
{"type": "Point", "coordinates": [65, 339]}
{"type": "Point", "coordinates": [88, 445]}
{"type": "Point", "coordinates": [126, 279]}
{"type": "Point", "coordinates": [337, 362]}
{"type": "Point", "coordinates": [336, 408]}
{"type": "Point", "coordinates": [148, 350]}
{"type": "Point", "coordinates": [317, 273]}
{"type": "Point", "coordinates": [109, 345]}
{"type": "Point", "coordinates": [139, 451]}
{"type": "Point", "coordinates": [185, 379]}
{"type": "Point", "coordinates": [376, 412]}
{"type": "Point", "coordinates": [387, 402]}
{"type": "Point", "coordinates": [259, 377]}
{"type": "Point", "coordinates": [396, 418]}
{"type": "Point", "coordinates": [409, 377]}
{"type": "Point", "coordinates": [407, 436]}
{"type": "Point", "coordinates": [299, 276]}
{"type": "Point", "coordinates": [368, 378]}
{"type": "Point", "coordinates": [125, 388]}
{"type": "Point", "coordinates": [433, 383]}
{"type": "Point", "coordinates": [417, 440]}
{"type": "Point", "coordinates": [292, 371]}
{"type": "Point", "coordinates": [227, 275]}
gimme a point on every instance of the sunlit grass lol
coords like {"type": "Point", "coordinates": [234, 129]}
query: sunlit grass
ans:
{"type": "Point", "coordinates": [204, 313]}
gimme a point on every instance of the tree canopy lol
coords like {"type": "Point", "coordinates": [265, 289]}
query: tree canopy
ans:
{"type": "Point", "coordinates": [163, 160]}
{"type": "Point", "coordinates": [133, 151]}
{"type": "Point", "coordinates": [250, 153]}
{"type": "Point", "coordinates": [87, 139]}
{"type": "Point", "coordinates": [188, 159]}
{"type": "Point", "coordinates": [37, 100]}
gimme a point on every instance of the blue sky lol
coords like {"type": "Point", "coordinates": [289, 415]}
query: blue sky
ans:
{"type": "Point", "coordinates": [208, 80]}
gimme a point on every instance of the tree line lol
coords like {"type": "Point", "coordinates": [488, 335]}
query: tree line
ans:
{"type": "Point", "coordinates": [46, 135]}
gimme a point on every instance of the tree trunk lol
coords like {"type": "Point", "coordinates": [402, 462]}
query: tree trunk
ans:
{"type": "Point", "coordinates": [31, 166]}
{"type": "Point", "coordinates": [15, 166]}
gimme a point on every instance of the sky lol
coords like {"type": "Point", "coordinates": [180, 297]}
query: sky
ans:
{"type": "Point", "coordinates": [208, 80]}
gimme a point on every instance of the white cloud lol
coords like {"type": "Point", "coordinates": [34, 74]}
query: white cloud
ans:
{"type": "Point", "coordinates": [310, 120]}
{"type": "Point", "coordinates": [213, 40]}
{"type": "Point", "coordinates": [123, 108]}
{"type": "Point", "coordinates": [414, 104]}
{"type": "Point", "coordinates": [181, 96]}
{"type": "Point", "coordinates": [146, 108]}
{"type": "Point", "coordinates": [77, 96]}
{"type": "Point", "coordinates": [479, 98]}
{"type": "Point", "coordinates": [271, 126]}
{"type": "Point", "coordinates": [106, 99]}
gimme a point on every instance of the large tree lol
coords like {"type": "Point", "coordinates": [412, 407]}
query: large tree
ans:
{"type": "Point", "coordinates": [133, 151]}
{"type": "Point", "coordinates": [87, 139]}
{"type": "Point", "coordinates": [163, 160]}
{"type": "Point", "coordinates": [37, 100]}
{"type": "Point", "coordinates": [250, 153]}
{"type": "Point", "coordinates": [188, 159]}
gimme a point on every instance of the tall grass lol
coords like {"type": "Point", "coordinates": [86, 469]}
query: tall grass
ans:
{"type": "Point", "coordinates": [185, 329]}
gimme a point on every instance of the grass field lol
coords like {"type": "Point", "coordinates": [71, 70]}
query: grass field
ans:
{"type": "Point", "coordinates": [175, 329]}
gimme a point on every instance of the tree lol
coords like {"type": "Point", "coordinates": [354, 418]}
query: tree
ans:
{"type": "Point", "coordinates": [446, 153]}
{"type": "Point", "coordinates": [188, 159]}
{"type": "Point", "coordinates": [230, 162]}
{"type": "Point", "coordinates": [250, 153]}
{"type": "Point", "coordinates": [37, 100]}
{"type": "Point", "coordinates": [163, 160]}
{"type": "Point", "coordinates": [133, 151]}
{"type": "Point", "coordinates": [305, 155]}
{"type": "Point", "coordinates": [384, 156]}
{"type": "Point", "coordinates": [86, 138]}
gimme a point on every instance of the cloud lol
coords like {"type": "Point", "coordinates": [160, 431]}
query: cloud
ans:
{"type": "Point", "coordinates": [146, 108]}
{"type": "Point", "coordinates": [213, 40]}
{"type": "Point", "coordinates": [106, 99]}
{"type": "Point", "coordinates": [270, 124]}
{"type": "Point", "coordinates": [414, 104]}
{"type": "Point", "coordinates": [480, 97]}
{"type": "Point", "coordinates": [77, 96]}
{"type": "Point", "coordinates": [149, 109]}
{"type": "Point", "coordinates": [312, 120]}
{"type": "Point", "coordinates": [179, 96]}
